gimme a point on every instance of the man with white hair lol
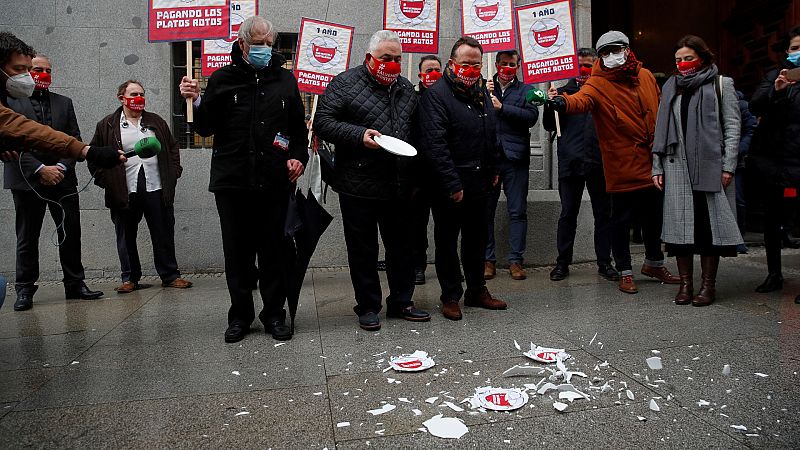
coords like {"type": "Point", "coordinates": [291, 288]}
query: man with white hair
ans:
{"type": "Point", "coordinates": [373, 184]}
{"type": "Point", "coordinates": [255, 112]}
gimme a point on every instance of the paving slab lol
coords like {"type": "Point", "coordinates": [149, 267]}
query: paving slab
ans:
{"type": "Point", "coordinates": [51, 350]}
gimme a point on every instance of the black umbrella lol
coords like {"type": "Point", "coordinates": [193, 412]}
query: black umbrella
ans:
{"type": "Point", "coordinates": [306, 221]}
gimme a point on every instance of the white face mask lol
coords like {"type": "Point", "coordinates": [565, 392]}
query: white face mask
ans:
{"type": "Point", "coordinates": [20, 86]}
{"type": "Point", "coordinates": [612, 61]}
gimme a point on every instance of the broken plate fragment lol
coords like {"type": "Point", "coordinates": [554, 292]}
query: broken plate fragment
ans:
{"type": "Point", "coordinates": [500, 399]}
{"type": "Point", "coordinates": [654, 363]}
{"type": "Point", "coordinates": [383, 409]}
{"type": "Point", "coordinates": [415, 362]}
{"type": "Point", "coordinates": [560, 406]}
{"type": "Point", "coordinates": [654, 406]}
{"type": "Point", "coordinates": [446, 427]}
{"type": "Point", "coordinates": [726, 370]}
{"type": "Point", "coordinates": [546, 355]}
{"type": "Point", "coordinates": [523, 370]}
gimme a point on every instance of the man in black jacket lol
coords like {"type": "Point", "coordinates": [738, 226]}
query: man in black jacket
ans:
{"type": "Point", "coordinates": [457, 124]}
{"type": "Point", "coordinates": [255, 112]}
{"type": "Point", "coordinates": [373, 184]}
{"type": "Point", "coordinates": [40, 180]}
{"type": "Point", "coordinates": [579, 165]}
{"type": "Point", "coordinates": [515, 117]}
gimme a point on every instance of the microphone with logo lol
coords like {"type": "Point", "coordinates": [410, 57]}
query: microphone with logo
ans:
{"type": "Point", "coordinates": [538, 97]}
{"type": "Point", "coordinates": [145, 148]}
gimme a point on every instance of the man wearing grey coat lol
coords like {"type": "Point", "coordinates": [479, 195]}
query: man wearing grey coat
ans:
{"type": "Point", "coordinates": [695, 155]}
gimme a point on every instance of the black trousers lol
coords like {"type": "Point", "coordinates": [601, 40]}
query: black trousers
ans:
{"type": "Point", "coordinates": [469, 219]}
{"type": "Point", "coordinates": [646, 206]}
{"type": "Point", "coordinates": [773, 225]}
{"type": "Point", "coordinates": [363, 219]}
{"type": "Point", "coordinates": [29, 218]}
{"type": "Point", "coordinates": [252, 224]}
{"type": "Point", "coordinates": [161, 224]}
{"type": "Point", "coordinates": [570, 189]}
{"type": "Point", "coordinates": [420, 215]}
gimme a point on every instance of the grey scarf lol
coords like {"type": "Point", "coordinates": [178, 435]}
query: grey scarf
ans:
{"type": "Point", "coordinates": [703, 139]}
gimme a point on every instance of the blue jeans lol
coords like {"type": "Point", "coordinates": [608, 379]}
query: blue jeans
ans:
{"type": "Point", "coordinates": [514, 177]}
{"type": "Point", "coordinates": [2, 290]}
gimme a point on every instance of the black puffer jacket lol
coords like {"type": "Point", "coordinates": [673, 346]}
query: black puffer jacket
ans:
{"type": "Point", "coordinates": [245, 109]}
{"type": "Point", "coordinates": [578, 147]}
{"type": "Point", "coordinates": [775, 149]}
{"type": "Point", "coordinates": [458, 138]}
{"type": "Point", "coordinates": [352, 103]}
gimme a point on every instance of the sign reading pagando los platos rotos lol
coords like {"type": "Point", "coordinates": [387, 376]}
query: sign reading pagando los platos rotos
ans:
{"type": "Point", "coordinates": [188, 20]}
{"type": "Point", "coordinates": [417, 23]}
{"type": "Point", "coordinates": [547, 42]}
{"type": "Point", "coordinates": [491, 22]}
{"type": "Point", "coordinates": [323, 51]}
{"type": "Point", "coordinates": [217, 52]}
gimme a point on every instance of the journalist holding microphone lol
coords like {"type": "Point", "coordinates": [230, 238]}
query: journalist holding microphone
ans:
{"type": "Point", "coordinates": [143, 187]}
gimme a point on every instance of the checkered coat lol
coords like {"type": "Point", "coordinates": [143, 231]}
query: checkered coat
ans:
{"type": "Point", "coordinates": [678, 222]}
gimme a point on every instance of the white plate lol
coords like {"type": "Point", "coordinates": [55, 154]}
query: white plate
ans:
{"type": "Point", "coordinates": [395, 146]}
{"type": "Point", "coordinates": [415, 362]}
{"type": "Point", "coordinates": [499, 399]}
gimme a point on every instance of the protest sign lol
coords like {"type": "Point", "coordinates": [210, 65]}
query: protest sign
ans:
{"type": "Point", "coordinates": [323, 51]}
{"type": "Point", "coordinates": [417, 23]}
{"type": "Point", "coordinates": [187, 20]}
{"type": "Point", "coordinates": [547, 41]}
{"type": "Point", "coordinates": [217, 52]}
{"type": "Point", "coordinates": [491, 22]}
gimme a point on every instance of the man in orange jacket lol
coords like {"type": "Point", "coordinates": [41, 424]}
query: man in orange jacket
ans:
{"type": "Point", "coordinates": [623, 99]}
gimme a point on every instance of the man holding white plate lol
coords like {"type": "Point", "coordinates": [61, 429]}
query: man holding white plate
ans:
{"type": "Point", "coordinates": [366, 113]}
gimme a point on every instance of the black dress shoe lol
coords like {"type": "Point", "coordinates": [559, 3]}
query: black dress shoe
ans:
{"type": "Point", "coordinates": [82, 292]}
{"type": "Point", "coordinates": [24, 301]}
{"type": "Point", "coordinates": [774, 282]}
{"type": "Point", "coordinates": [559, 272]}
{"type": "Point", "coordinates": [608, 272]}
{"type": "Point", "coordinates": [236, 332]}
{"type": "Point", "coordinates": [276, 326]}
{"type": "Point", "coordinates": [797, 299]}
{"type": "Point", "coordinates": [419, 276]}
{"type": "Point", "coordinates": [369, 321]}
{"type": "Point", "coordinates": [409, 313]}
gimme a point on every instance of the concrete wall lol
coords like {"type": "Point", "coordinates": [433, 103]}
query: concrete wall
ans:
{"type": "Point", "coordinates": [96, 44]}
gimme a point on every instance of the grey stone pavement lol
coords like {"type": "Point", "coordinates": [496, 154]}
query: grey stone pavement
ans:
{"type": "Point", "coordinates": [151, 370]}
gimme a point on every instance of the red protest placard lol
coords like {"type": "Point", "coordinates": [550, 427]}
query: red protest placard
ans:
{"type": "Point", "coordinates": [491, 22]}
{"type": "Point", "coordinates": [547, 42]}
{"type": "Point", "coordinates": [188, 20]}
{"type": "Point", "coordinates": [323, 51]}
{"type": "Point", "coordinates": [417, 23]}
{"type": "Point", "coordinates": [217, 52]}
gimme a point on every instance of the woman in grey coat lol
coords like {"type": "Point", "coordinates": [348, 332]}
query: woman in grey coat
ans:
{"type": "Point", "coordinates": [694, 159]}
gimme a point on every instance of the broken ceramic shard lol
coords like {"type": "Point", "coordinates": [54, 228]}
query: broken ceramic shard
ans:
{"type": "Point", "coordinates": [762, 375]}
{"type": "Point", "coordinates": [383, 409]}
{"type": "Point", "coordinates": [654, 406]}
{"type": "Point", "coordinates": [546, 387]}
{"type": "Point", "coordinates": [431, 400]}
{"type": "Point", "coordinates": [446, 427]}
{"type": "Point", "coordinates": [702, 403]}
{"type": "Point", "coordinates": [629, 394]}
{"type": "Point", "coordinates": [523, 370]}
{"type": "Point", "coordinates": [546, 354]}
{"type": "Point", "coordinates": [415, 362]}
{"type": "Point", "coordinates": [560, 406]}
{"type": "Point", "coordinates": [739, 427]}
{"type": "Point", "coordinates": [654, 363]}
{"type": "Point", "coordinates": [500, 399]}
{"type": "Point", "coordinates": [342, 424]}
{"type": "Point", "coordinates": [454, 407]}
{"type": "Point", "coordinates": [516, 345]}
{"type": "Point", "coordinates": [726, 370]}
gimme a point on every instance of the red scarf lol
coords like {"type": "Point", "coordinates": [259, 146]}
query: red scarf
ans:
{"type": "Point", "coordinates": [628, 69]}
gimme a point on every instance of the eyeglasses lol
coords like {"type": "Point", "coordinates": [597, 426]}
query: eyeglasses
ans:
{"type": "Point", "coordinates": [474, 66]}
{"type": "Point", "coordinates": [612, 51]}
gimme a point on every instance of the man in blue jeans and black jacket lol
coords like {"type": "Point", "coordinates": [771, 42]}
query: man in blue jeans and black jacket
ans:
{"type": "Point", "coordinates": [515, 117]}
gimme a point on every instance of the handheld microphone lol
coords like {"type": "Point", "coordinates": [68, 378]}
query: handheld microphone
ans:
{"type": "Point", "coordinates": [536, 97]}
{"type": "Point", "coordinates": [146, 148]}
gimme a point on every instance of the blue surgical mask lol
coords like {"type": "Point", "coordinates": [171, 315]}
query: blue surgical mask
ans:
{"type": "Point", "coordinates": [794, 58]}
{"type": "Point", "coordinates": [259, 56]}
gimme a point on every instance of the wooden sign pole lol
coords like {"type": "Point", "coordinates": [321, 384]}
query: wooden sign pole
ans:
{"type": "Point", "coordinates": [190, 74]}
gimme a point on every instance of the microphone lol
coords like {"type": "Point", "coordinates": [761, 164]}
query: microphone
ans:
{"type": "Point", "coordinates": [146, 148]}
{"type": "Point", "coordinates": [536, 97]}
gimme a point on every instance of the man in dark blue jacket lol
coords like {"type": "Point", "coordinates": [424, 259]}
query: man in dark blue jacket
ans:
{"type": "Point", "coordinates": [515, 117]}
{"type": "Point", "coordinates": [579, 165]}
{"type": "Point", "coordinates": [373, 185]}
{"type": "Point", "coordinates": [457, 123]}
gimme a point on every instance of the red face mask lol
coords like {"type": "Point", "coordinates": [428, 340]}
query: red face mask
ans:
{"type": "Point", "coordinates": [42, 79]}
{"type": "Point", "coordinates": [585, 73]}
{"type": "Point", "coordinates": [505, 73]}
{"type": "Point", "coordinates": [134, 103]}
{"type": "Point", "coordinates": [427, 79]}
{"type": "Point", "coordinates": [386, 72]}
{"type": "Point", "coordinates": [467, 74]}
{"type": "Point", "coordinates": [689, 67]}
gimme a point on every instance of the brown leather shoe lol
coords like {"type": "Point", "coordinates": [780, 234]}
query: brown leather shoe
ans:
{"type": "Point", "coordinates": [686, 289]}
{"type": "Point", "coordinates": [451, 310]}
{"type": "Point", "coordinates": [127, 287]}
{"type": "Point", "coordinates": [627, 285]}
{"type": "Point", "coordinates": [489, 270]}
{"type": "Point", "coordinates": [484, 300]}
{"type": "Point", "coordinates": [661, 274]}
{"type": "Point", "coordinates": [178, 283]}
{"type": "Point", "coordinates": [517, 271]}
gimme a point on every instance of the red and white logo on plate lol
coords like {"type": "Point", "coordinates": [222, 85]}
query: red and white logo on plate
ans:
{"type": "Point", "coordinates": [546, 355]}
{"type": "Point", "coordinates": [415, 362]}
{"type": "Point", "coordinates": [500, 399]}
{"type": "Point", "coordinates": [413, 12]}
{"type": "Point", "coordinates": [487, 13]}
{"type": "Point", "coordinates": [322, 52]}
{"type": "Point", "coordinates": [547, 36]}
